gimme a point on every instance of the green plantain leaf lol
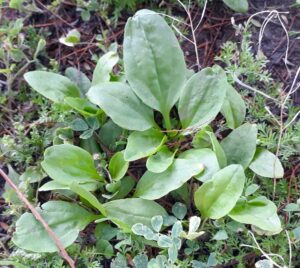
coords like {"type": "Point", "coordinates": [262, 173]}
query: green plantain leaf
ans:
{"type": "Point", "coordinates": [127, 184]}
{"type": "Point", "coordinates": [127, 212]}
{"type": "Point", "coordinates": [79, 78]}
{"type": "Point", "coordinates": [120, 103]}
{"type": "Point", "coordinates": [118, 166]}
{"type": "Point", "coordinates": [64, 218]}
{"type": "Point", "coordinates": [209, 160]}
{"type": "Point", "coordinates": [259, 212]}
{"type": "Point", "coordinates": [53, 86]}
{"type": "Point", "coordinates": [201, 139]}
{"type": "Point", "coordinates": [217, 149]}
{"type": "Point", "coordinates": [89, 197]}
{"type": "Point", "coordinates": [153, 60]}
{"type": "Point", "coordinates": [190, 163]}
{"type": "Point", "coordinates": [83, 106]}
{"type": "Point", "coordinates": [218, 196]}
{"type": "Point", "coordinates": [142, 144]}
{"type": "Point", "coordinates": [234, 108]}
{"type": "Point", "coordinates": [237, 5]}
{"type": "Point", "coordinates": [202, 97]}
{"type": "Point", "coordinates": [266, 164]}
{"type": "Point", "coordinates": [240, 145]}
{"type": "Point", "coordinates": [160, 161]}
{"type": "Point", "coordinates": [67, 163]}
{"type": "Point", "coordinates": [104, 68]}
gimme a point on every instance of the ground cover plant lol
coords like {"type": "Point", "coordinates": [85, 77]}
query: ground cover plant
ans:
{"type": "Point", "coordinates": [154, 164]}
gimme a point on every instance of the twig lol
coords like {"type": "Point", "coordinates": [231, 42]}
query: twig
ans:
{"type": "Point", "coordinates": [266, 255]}
{"type": "Point", "coordinates": [282, 126]}
{"type": "Point", "coordinates": [253, 89]}
{"type": "Point", "coordinates": [290, 248]}
{"type": "Point", "coordinates": [22, 197]}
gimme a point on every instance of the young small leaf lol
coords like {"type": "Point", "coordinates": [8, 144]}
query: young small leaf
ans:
{"type": "Point", "coordinates": [143, 230]}
{"type": "Point", "coordinates": [176, 229]}
{"type": "Point", "coordinates": [157, 222]}
{"type": "Point", "coordinates": [220, 235]}
{"type": "Point", "coordinates": [179, 210]}
{"type": "Point", "coordinates": [104, 67]}
{"type": "Point", "coordinates": [118, 166]}
{"type": "Point", "coordinates": [142, 144]}
{"type": "Point", "coordinates": [160, 161]}
{"type": "Point", "coordinates": [251, 189]}
{"type": "Point", "coordinates": [194, 224]}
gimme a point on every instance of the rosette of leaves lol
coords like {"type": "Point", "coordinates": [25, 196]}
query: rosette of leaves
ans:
{"type": "Point", "coordinates": [160, 105]}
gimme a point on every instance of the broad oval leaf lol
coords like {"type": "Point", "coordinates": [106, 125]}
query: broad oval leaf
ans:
{"type": "Point", "coordinates": [153, 60]}
{"type": "Point", "coordinates": [120, 103]}
{"type": "Point", "coordinates": [64, 218]}
{"type": "Point", "coordinates": [118, 166]}
{"type": "Point", "coordinates": [234, 108]}
{"type": "Point", "coordinates": [67, 163]}
{"type": "Point", "coordinates": [259, 212]}
{"type": "Point", "coordinates": [127, 212]}
{"type": "Point", "coordinates": [218, 196]}
{"type": "Point", "coordinates": [156, 185]}
{"type": "Point", "coordinates": [240, 145]}
{"type": "Point", "coordinates": [266, 164]}
{"type": "Point", "coordinates": [202, 97]}
{"type": "Point", "coordinates": [142, 144]}
{"type": "Point", "coordinates": [237, 5]}
{"type": "Point", "coordinates": [104, 67]}
{"type": "Point", "coordinates": [53, 86]}
{"type": "Point", "coordinates": [160, 161]}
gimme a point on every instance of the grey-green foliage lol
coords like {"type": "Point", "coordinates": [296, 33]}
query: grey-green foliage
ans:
{"type": "Point", "coordinates": [172, 241]}
{"type": "Point", "coordinates": [156, 80]}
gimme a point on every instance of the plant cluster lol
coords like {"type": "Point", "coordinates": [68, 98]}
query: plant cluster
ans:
{"type": "Point", "coordinates": [158, 115]}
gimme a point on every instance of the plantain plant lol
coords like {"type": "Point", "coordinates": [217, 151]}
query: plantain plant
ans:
{"type": "Point", "coordinates": [166, 111]}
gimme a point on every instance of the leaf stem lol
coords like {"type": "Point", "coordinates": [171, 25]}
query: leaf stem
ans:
{"type": "Point", "coordinates": [203, 223]}
{"type": "Point", "coordinates": [167, 120]}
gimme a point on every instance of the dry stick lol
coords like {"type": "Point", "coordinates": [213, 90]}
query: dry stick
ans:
{"type": "Point", "coordinates": [22, 197]}
{"type": "Point", "coordinates": [283, 127]}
